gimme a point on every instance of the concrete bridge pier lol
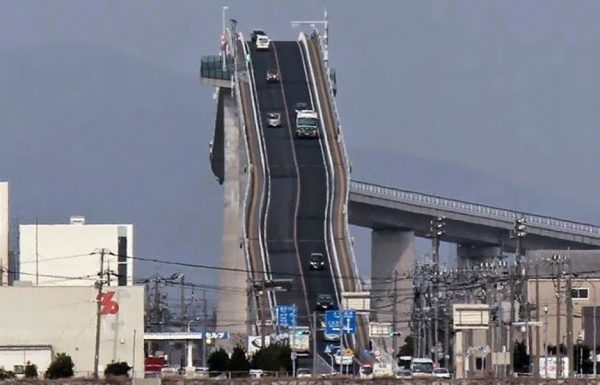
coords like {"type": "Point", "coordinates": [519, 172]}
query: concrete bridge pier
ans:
{"type": "Point", "coordinates": [392, 250]}
{"type": "Point", "coordinates": [232, 304]}
{"type": "Point", "coordinates": [470, 255]}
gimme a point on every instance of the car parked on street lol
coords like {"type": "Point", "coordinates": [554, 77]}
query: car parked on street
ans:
{"type": "Point", "coordinates": [441, 373]}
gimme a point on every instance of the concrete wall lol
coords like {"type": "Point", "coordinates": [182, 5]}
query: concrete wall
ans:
{"type": "Point", "coordinates": [4, 235]}
{"type": "Point", "coordinates": [65, 318]}
{"type": "Point", "coordinates": [63, 252]}
{"type": "Point", "coordinates": [233, 302]}
{"type": "Point", "coordinates": [392, 250]}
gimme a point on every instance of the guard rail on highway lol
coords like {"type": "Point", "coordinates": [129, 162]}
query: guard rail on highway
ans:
{"type": "Point", "coordinates": [462, 207]}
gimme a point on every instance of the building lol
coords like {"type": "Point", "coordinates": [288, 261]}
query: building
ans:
{"type": "Point", "coordinates": [4, 233]}
{"type": "Point", "coordinates": [40, 322]}
{"type": "Point", "coordinates": [548, 287]}
{"type": "Point", "coordinates": [69, 254]}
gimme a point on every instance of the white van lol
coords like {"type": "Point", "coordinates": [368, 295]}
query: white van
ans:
{"type": "Point", "coordinates": [262, 42]}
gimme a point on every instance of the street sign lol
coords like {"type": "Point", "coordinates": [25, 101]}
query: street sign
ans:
{"type": "Point", "coordinates": [377, 353]}
{"type": "Point", "coordinates": [333, 321]}
{"type": "Point", "coordinates": [328, 349]}
{"type": "Point", "coordinates": [348, 352]}
{"type": "Point", "coordinates": [286, 315]}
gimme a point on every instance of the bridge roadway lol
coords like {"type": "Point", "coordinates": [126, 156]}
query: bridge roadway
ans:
{"type": "Point", "coordinates": [380, 207]}
{"type": "Point", "coordinates": [296, 179]}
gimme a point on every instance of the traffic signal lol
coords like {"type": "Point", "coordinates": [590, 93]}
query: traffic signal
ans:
{"type": "Point", "coordinates": [520, 228]}
{"type": "Point", "coordinates": [395, 334]}
{"type": "Point", "coordinates": [437, 226]}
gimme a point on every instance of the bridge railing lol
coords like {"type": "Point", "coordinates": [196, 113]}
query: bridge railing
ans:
{"type": "Point", "coordinates": [473, 208]}
{"type": "Point", "coordinates": [340, 139]}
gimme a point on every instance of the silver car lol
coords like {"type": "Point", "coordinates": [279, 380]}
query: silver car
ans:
{"type": "Point", "coordinates": [274, 119]}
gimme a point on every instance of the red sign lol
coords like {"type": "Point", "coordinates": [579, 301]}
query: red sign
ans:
{"type": "Point", "coordinates": [108, 305]}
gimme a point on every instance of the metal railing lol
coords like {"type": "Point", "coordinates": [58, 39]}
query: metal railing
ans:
{"type": "Point", "coordinates": [463, 207]}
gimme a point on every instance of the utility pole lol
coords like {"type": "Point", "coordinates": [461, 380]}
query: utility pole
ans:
{"type": "Point", "coordinates": [395, 314]}
{"type": "Point", "coordinates": [536, 360]}
{"type": "Point", "coordinates": [314, 343]}
{"type": "Point", "coordinates": [204, 320]}
{"type": "Point", "coordinates": [157, 303]}
{"type": "Point", "coordinates": [569, 300]}
{"type": "Point", "coordinates": [558, 261]}
{"type": "Point", "coordinates": [263, 325]}
{"type": "Point", "coordinates": [98, 313]}
{"type": "Point", "coordinates": [183, 312]}
{"type": "Point", "coordinates": [511, 287]}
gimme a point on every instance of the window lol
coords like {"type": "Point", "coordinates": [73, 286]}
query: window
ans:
{"type": "Point", "coordinates": [580, 293]}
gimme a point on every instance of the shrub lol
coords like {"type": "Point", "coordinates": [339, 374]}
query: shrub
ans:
{"type": "Point", "coordinates": [31, 370]}
{"type": "Point", "coordinates": [218, 361]}
{"type": "Point", "coordinates": [117, 369]}
{"type": "Point", "coordinates": [238, 362]}
{"type": "Point", "coordinates": [6, 374]}
{"type": "Point", "coordinates": [61, 367]}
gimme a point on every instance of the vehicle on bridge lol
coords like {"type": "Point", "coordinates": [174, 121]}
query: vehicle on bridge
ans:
{"type": "Point", "coordinates": [325, 302]}
{"type": "Point", "coordinates": [307, 124]}
{"type": "Point", "coordinates": [301, 106]}
{"type": "Point", "coordinates": [272, 76]}
{"type": "Point", "coordinates": [262, 42]}
{"type": "Point", "coordinates": [256, 33]}
{"type": "Point", "coordinates": [273, 119]}
{"type": "Point", "coordinates": [317, 261]}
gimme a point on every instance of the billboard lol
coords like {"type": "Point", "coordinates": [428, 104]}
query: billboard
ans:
{"type": "Point", "coordinates": [471, 316]}
{"type": "Point", "coordinates": [549, 370]}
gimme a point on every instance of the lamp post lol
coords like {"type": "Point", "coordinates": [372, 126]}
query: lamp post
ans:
{"type": "Point", "coordinates": [224, 39]}
{"type": "Point", "coordinates": [325, 39]}
{"type": "Point", "coordinates": [189, 344]}
{"type": "Point", "coordinates": [545, 341]}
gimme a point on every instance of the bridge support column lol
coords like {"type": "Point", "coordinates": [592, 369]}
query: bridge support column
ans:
{"type": "Point", "coordinates": [392, 249]}
{"type": "Point", "coordinates": [232, 305]}
{"type": "Point", "coordinates": [471, 255]}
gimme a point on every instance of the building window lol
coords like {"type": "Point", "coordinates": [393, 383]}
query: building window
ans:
{"type": "Point", "coordinates": [580, 293]}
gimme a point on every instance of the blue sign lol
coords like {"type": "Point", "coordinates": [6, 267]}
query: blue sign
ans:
{"type": "Point", "coordinates": [333, 321]}
{"type": "Point", "coordinates": [328, 349]}
{"type": "Point", "coordinates": [286, 315]}
{"type": "Point", "coordinates": [216, 335]}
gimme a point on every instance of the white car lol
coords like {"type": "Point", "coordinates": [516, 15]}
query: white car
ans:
{"type": "Point", "coordinates": [441, 373]}
{"type": "Point", "coordinates": [274, 119]}
{"type": "Point", "coordinates": [263, 42]}
{"type": "Point", "coordinates": [303, 372]}
{"type": "Point", "coordinates": [342, 359]}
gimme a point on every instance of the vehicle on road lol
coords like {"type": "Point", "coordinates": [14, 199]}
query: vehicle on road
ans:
{"type": "Point", "coordinates": [366, 371]}
{"type": "Point", "coordinates": [300, 340]}
{"type": "Point", "coordinates": [307, 124]}
{"type": "Point", "coordinates": [303, 372]}
{"type": "Point", "coordinates": [317, 261]}
{"type": "Point", "coordinates": [422, 367]}
{"type": "Point", "coordinates": [324, 302]}
{"type": "Point", "coordinates": [274, 119]}
{"type": "Point", "coordinates": [301, 106]}
{"type": "Point", "coordinates": [262, 42]}
{"type": "Point", "coordinates": [403, 373]}
{"type": "Point", "coordinates": [256, 33]}
{"type": "Point", "coordinates": [441, 373]}
{"type": "Point", "coordinates": [331, 337]}
{"type": "Point", "coordinates": [272, 76]}
{"type": "Point", "coordinates": [342, 359]}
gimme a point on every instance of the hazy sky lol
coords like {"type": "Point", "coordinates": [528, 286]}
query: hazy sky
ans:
{"type": "Point", "coordinates": [507, 88]}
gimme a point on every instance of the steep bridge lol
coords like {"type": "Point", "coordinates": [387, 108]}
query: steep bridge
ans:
{"type": "Point", "coordinates": [286, 197]}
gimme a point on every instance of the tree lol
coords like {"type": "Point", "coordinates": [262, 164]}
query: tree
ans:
{"type": "Point", "coordinates": [6, 374]}
{"type": "Point", "coordinates": [61, 367]}
{"type": "Point", "coordinates": [238, 362]}
{"type": "Point", "coordinates": [408, 348]}
{"type": "Point", "coordinates": [520, 357]}
{"type": "Point", "coordinates": [218, 361]}
{"type": "Point", "coordinates": [31, 370]}
{"type": "Point", "coordinates": [275, 357]}
{"type": "Point", "coordinates": [117, 369]}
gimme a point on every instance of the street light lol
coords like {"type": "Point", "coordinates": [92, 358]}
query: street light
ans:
{"type": "Point", "coordinates": [190, 346]}
{"type": "Point", "coordinates": [224, 39]}
{"type": "Point", "coordinates": [325, 38]}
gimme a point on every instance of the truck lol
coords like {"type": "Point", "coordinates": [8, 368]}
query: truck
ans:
{"type": "Point", "coordinates": [422, 367]}
{"type": "Point", "coordinates": [307, 124]}
{"type": "Point", "coordinates": [300, 340]}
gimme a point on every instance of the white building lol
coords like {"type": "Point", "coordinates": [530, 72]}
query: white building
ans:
{"type": "Point", "coordinates": [69, 255]}
{"type": "Point", "coordinates": [4, 226]}
{"type": "Point", "coordinates": [39, 322]}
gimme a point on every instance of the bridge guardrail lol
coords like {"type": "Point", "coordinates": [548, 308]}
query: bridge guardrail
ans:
{"type": "Point", "coordinates": [477, 209]}
{"type": "Point", "coordinates": [340, 139]}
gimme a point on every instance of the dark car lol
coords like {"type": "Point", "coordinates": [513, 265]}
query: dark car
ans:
{"type": "Point", "coordinates": [324, 302]}
{"type": "Point", "coordinates": [272, 75]}
{"type": "Point", "coordinates": [301, 106]}
{"type": "Point", "coordinates": [255, 33]}
{"type": "Point", "coordinates": [317, 261]}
